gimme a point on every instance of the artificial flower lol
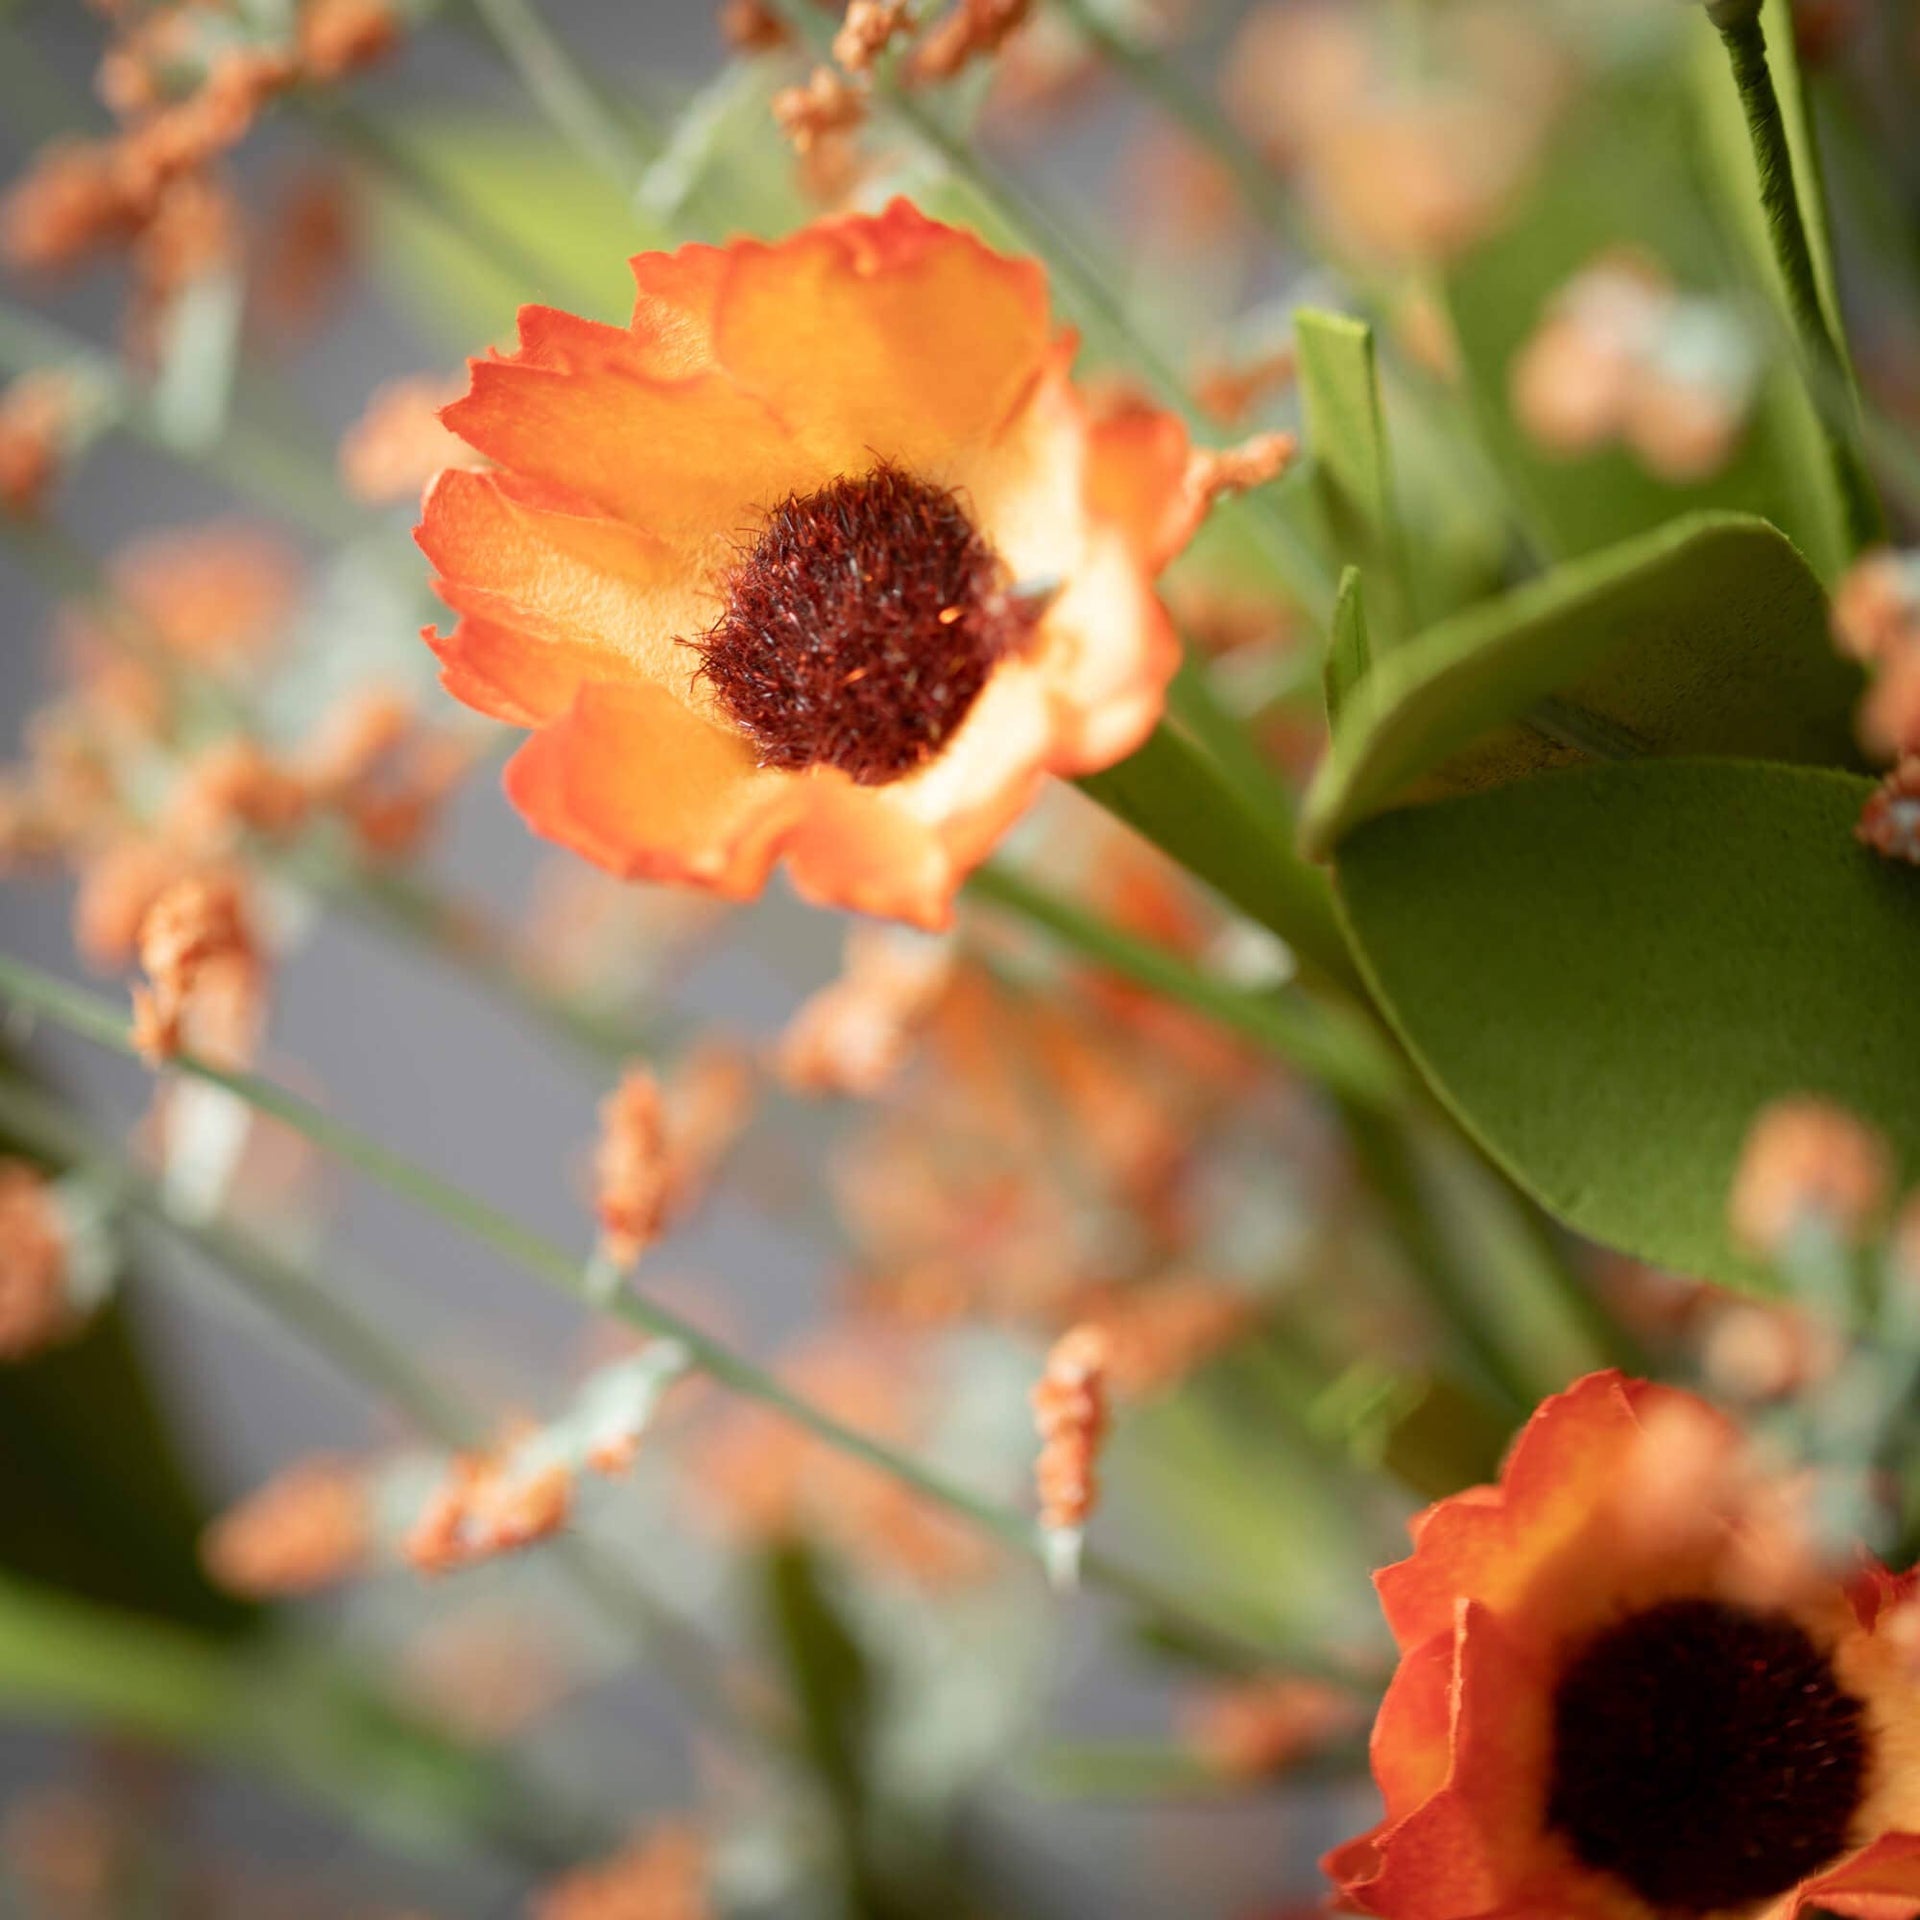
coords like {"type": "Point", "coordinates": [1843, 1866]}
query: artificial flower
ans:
{"type": "Point", "coordinates": [1626, 1691]}
{"type": "Point", "coordinates": [821, 557]}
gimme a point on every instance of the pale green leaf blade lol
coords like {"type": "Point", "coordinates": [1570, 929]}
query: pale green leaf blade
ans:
{"type": "Point", "coordinates": [1349, 646]}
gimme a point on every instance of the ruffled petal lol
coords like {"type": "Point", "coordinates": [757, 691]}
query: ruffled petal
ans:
{"type": "Point", "coordinates": [1493, 1543]}
{"type": "Point", "coordinates": [1137, 467]}
{"type": "Point", "coordinates": [687, 458]}
{"type": "Point", "coordinates": [893, 338]}
{"type": "Point", "coordinates": [641, 786]}
{"type": "Point", "coordinates": [591, 598]}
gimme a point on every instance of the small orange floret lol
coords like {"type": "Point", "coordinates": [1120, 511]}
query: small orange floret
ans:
{"type": "Point", "coordinates": [752, 26]}
{"type": "Point", "coordinates": [1216, 472]}
{"type": "Point", "coordinates": [489, 1504]}
{"type": "Point", "coordinates": [1807, 1163]}
{"type": "Point", "coordinates": [35, 1312]}
{"type": "Point", "coordinates": [660, 1876]}
{"type": "Point", "coordinates": [867, 30]}
{"type": "Point", "coordinates": [1070, 1413]}
{"type": "Point", "coordinates": [341, 37]}
{"type": "Point", "coordinates": [865, 433]}
{"type": "Point", "coordinates": [852, 1036]}
{"type": "Point", "coordinates": [970, 30]}
{"type": "Point", "coordinates": [70, 203]}
{"type": "Point", "coordinates": [1231, 391]}
{"type": "Point", "coordinates": [398, 444]}
{"type": "Point", "coordinates": [633, 1168]}
{"type": "Point", "coordinates": [309, 1528]}
{"type": "Point", "coordinates": [196, 933]}
{"type": "Point", "coordinates": [828, 104]}
{"type": "Point", "coordinates": [36, 418]}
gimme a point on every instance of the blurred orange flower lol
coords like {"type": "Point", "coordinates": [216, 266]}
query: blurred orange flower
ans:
{"type": "Point", "coordinates": [1626, 1691]}
{"type": "Point", "coordinates": [821, 557]}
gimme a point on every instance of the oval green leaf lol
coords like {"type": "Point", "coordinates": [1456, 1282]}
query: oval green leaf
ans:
{"type": "Point", "coordinates": [1708, 636]}
{"type": "Point", "coordinates": [1605, 973]}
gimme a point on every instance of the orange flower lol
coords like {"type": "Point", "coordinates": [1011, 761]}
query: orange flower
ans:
{"type": "Point", "coordinates": [1625, 1693]}
{"type": "Point", "coordinates": [820, 557]}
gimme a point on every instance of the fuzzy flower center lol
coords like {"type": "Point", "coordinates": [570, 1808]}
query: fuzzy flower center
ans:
{"type": "Point", "coordinates": [861, 627]}
{"type": "Point", "coordinates": [1706, 1755]}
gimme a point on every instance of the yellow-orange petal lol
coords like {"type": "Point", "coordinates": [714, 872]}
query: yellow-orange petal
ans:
{"type": "Point", "coordinates": [691, 458]}
{"type": "Point", "coordinates": [892, 336]}
{"type": "Point", "coordinates": [642, 786]}
{"type": "Point", "coordinates": [603, 599]}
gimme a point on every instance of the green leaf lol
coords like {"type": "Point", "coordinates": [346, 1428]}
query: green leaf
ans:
{"type": "Point", "coordinates": [1706, 637]}
{"type": "Point", "coordinates": [1353, 473]}
{"type": "Point", "coordinates": [1624, 172]}
{"type": "Point", "coordinates": [1349, 648]}
{"type": "Point", "coordinates": [1607, 972]}
{"type": "Point", "coordinates": [833, 1684]}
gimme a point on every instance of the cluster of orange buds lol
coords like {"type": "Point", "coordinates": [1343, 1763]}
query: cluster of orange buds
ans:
{"type": "Point", "coordinates": [854, 1035]}
{"type": "Point", "coordinates": [1255, 1729]}
{"type": "Point", "coordinates": [1622, 358]}
{"type": "Point", "coordinates": [969, 30]}
{"type": "Point", "coordinates": [310, 1527]}
{"type": "Point", "coordinates": [398, 444]}
{"type": "Point", "coordinates": [36, 1302]}
{"type": "Point", "coordinates": [1807, 1166]}
{"type": "Point", "coordinates": [1070, 1413]}
{"type": "Point", "coordinates": [522, 1491]}
{"type": "Point", "coordinates": [205, 972]}
{"type": "Point", "coordinates": [36, 426]}
{"type": "Point", "coordinates": [659, 1146]}
{"type": "Point", "coordinates": [152, 181]}
{"type": "Point", "coordinates": [823, 110]}
{"type": "Point", "coordinates": [867, 30]}
{"type": "Point", "coordinates": [659, 1876]}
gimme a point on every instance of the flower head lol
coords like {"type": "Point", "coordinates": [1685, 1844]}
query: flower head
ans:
{"type": "Point", "coordinates": [821, 557]}
{"type": "Point", "coordinates": [1626, 1692]}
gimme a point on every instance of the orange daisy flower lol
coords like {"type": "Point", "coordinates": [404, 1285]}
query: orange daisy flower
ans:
{"type": "Point", "coordinates": [821, 557]}
{"type": "Point", "coordinates": [1626, 1692]}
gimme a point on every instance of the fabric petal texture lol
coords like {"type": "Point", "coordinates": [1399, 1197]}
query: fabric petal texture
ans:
{"type": "Point", "coordinates": [874, 423]}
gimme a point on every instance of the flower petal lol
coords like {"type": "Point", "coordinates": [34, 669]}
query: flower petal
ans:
{"type": "Point", "coordinates": [607, 600]}
{"type": "Point", "coordinates": [893, 337]}
{"type": "Point", "coordinates": [1880, 1882]}
{"type": "Point", "coordinates": [643, 787]}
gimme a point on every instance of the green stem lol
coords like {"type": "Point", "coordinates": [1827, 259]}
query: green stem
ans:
{"type": "Point", "coordinates": [1171, 793]}
{"type": "Point", "coordinates": [1746, 42]}
{"type": "Point", "coordinates": [99, 1021]}
{"type": "Point", "coordinates": [319, 1318]}
{"type": "Point", "coordinates": [1330, 1044]}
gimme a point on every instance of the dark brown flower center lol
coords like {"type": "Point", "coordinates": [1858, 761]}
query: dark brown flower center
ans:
{"type": "Point", "coordinates": [1706, 1755]}
{"type": "Point", "coordinates": [861, 627]}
